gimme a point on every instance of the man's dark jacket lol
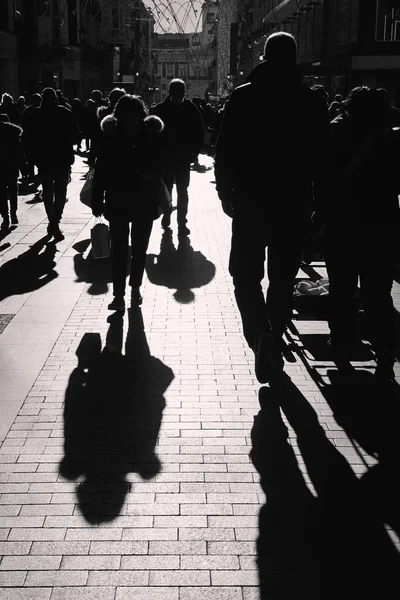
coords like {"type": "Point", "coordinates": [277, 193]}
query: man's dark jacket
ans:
{"type": "Point", "coordinates": [51, 132]}
{"type": "Point", "coordinates": [183, 136]}
{"type": "Point", "coordinates": [272, 150]}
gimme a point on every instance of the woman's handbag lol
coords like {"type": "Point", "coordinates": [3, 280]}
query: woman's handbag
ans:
{"type": "Point", "coordinates": [86, 192]}
{"type": "Point", "coordinates": [100, 237]}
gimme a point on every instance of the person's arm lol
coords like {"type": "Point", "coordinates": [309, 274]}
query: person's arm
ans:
{"type": "Point", "coordinates": [74, 131]}
{"type": "Point", "coordinates": [101, 169]}
{"type": "Point", "coordinates": [198, 131]}
{"type": "Point", "coordinates": [322, 159]}
{"type": "Point", "coordinates": [225, 153]}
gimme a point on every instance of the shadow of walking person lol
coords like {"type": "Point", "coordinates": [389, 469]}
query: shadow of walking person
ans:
{"type": "Point", "coordinates": [96, 272]}
{"type": "Point", "coordinates": [29, 271]}
{"type": "Point", "coordinates": [369, 413]}
{"type": "Point", "coordinates": [327, 543]}
{"type": "Point", "coordinates": [180, 268]}
{"type": "Point", "coordinates": [112, 417]}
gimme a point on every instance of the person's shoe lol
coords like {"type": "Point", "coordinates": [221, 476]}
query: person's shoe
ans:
{"type": "Point", "coordinates": [266, 364]}
{"type": "Point", "coordinates": [166, 221]}
{"type": "Point", "coordinates": [136, 297]}
{"type": "Point", "coordinates": [57, 233]}
{"type": "Point", "coordinates": [118, 303]}
{"type": "Point", "coordinates": [183, 230]}
{"type": "Point", "coordinates": [14, 219]}
{"type": "Point", "coordinates": [5, 227]}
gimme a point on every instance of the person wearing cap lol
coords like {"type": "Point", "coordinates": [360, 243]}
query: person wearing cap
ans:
{"type": "Point", "coordinates": [270, 157]}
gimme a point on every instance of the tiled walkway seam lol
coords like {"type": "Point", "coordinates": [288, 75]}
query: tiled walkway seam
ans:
{"type": "Point", "coordinates": [190, 531]}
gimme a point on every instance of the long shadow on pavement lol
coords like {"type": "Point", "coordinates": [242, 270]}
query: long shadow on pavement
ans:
{"type": "Point", "coordinates": [180, 268]}
{"type": "Point", "coordinates": [29, 271]}
{"type": "Point", "coordinates": [331, 542]}
{"type": "Point", "coordinates": [113, 411]}
{"type": "Point", "coordinates": [96, 272]}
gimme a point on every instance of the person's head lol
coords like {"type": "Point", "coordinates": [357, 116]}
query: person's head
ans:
{"type": "Point", "coordinates": [385, 94]}
{"type": "Point", "coordinates": [49, 97]}
{"type": "Point", "coordinates": [4, 118]}
{"type": "Point", "coordinates": [281, 49]}
{"type": "Point", "coordinates": [36, 100]}
{"type": "Point", "coordinates": [177, 90]}
{"type": "Point", "coordinates": [115, 95]}
{"type": "Point", "coordinates": [97, 96]}
{"type": "Point", "coordinates": [21, 102]}
{"type": "Point", "coordinates": [321, 91]}
{"type": "Point", "coordinates": [130, 111]}
{"type": "Point", "coordinates": [76, 103]}
{"type": "Point", "coordinates": [90, 104]}
{"type": "Point", "coordinates": [338, 98]}
{"type": "Point", "coordinates": [368, 109]}
{"type": "Point", "coordinates": [7, 100]}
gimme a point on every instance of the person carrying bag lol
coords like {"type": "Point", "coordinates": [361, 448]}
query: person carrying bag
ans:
{"type": "Point", "coordinates": [100, 238]}
{"type": "Point", "coordinates": [126, 176]}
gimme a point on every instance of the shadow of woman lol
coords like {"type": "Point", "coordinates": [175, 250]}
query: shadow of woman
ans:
{"type": "Point", "coordinates": [96, 272]}
{"type": "Point", "coordinates": [181, 268]}
{"type": "Point", "coordinates": [112, 417]}
{"type": "Point", "coordinates": [29, 271]}
{"type": "Point", "coordinates": [326, 543]}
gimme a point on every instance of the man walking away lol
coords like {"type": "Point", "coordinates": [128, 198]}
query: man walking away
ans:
{"type": "Point", "coordinates": [53, 131]}
{"type": "Point", "coordinates": [12, 159]}
{"type": "Point", "coordinates": [36, 100]}
{"type": "Point", "coordinates": [183, 140]}
{"type": "Point", "coordinates": [273, 136]}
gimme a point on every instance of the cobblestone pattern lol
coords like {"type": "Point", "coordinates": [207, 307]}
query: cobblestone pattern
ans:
{"type": "Point", "coordinates": [127, 525]}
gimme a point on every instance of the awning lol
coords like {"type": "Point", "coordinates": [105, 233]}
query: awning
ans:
{"type": "Point", "coordinates": [286, 9]}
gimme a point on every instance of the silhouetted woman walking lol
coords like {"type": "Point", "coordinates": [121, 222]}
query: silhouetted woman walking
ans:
{"type": "Point", "coordinates": [128, 165]}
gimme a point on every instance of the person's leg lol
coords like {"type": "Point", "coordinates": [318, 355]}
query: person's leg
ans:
{"type": "Point", "coordinates": [12, 185]}
{"type": "Point", "coordinates": [182, 184]}
{"type": "Point", "coordinates": [140, 234]}
{"type": "Point", "coordinates": [246, 266]}
{"type": "Point", "coordinates": [4, 202]}
{"type": "Point", "coordinates": [61, 177]}
{"type": "Point", "coordinates": [285, 247]}
{"type": "Point", "coordinates": [168, 177]}
{"type": "Point", "coordinates": [119, 232]}
{"type": "Point", "coordinates": [341, 256]}
{"type": "Point", "coordinates": [376, 277]}
{"type": "Point", "coordinates": [47, 179]}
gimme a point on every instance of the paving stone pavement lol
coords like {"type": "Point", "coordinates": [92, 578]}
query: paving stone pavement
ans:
{"type": "Point", "coordinates": [136, 461]}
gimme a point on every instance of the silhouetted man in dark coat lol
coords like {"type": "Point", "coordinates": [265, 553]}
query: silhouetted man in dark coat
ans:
{"type": "Point", "coordinates": [183, 140]}
{"type": "Point", "coordinates": [52, 130]}
{"type": "Point", "coordinates": [268, 170]}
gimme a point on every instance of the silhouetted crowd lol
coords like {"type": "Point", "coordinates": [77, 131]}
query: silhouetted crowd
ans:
{"type": "Point", "coordinates": [287, 161]}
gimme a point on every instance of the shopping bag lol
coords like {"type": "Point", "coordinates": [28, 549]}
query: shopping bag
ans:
{"type": "Point", "coordinates": [86, 191]}
{"type": "Point", "coordinates": [100, 237]}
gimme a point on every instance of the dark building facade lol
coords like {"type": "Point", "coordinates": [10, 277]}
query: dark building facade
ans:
{"type": "Point", "coordinates": [342, 43]}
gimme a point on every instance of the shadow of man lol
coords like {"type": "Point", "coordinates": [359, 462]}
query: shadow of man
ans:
{"type": "Point", "coordinates": [181, 268]}
{"type": "Point", "coordinates": [331, 544]}
{"type": "Point", "coordinates": [112, 417]}
{"type": "Point", "coordinates": [369, 413]}
{"type": "Point", "coordinates": [96, 272]}
{"type": "Point", "coordinates": [29, 271]}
